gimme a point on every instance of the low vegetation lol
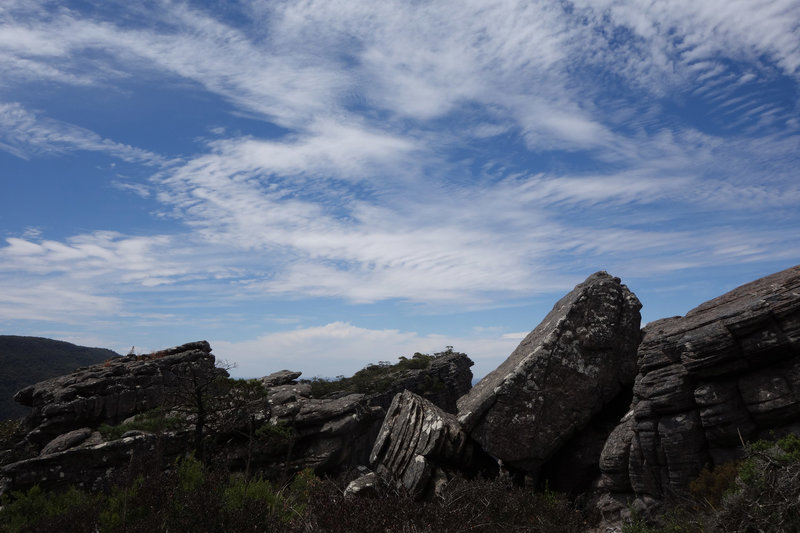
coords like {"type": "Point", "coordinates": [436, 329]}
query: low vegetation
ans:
{"type": "Point", "coordinates": [757, 493]}
{"type": "Point", "coordinates": [153, 421]}
{"type": "Point", "coordinates": [189, 497]}
{"type": "Point", "coordinates": [194, 497]}
{"type": "Point", "coordinates": [374, 378]}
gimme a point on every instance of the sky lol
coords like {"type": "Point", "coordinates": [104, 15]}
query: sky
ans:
{"type": "Point", "coordinates": [319, 185]}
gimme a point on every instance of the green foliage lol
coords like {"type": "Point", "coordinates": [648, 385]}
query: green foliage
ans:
{"type": "Point", "coordinates": [240, 492]}
{"type": "Point", "coordinates": [117, 509]}
{"type": "Point", "coordinates": [191, 474]}
{"type": "Point", "coordinates": [767, 489]}
{"type": "Point", "coordinates": [190, 497]}
{"type": "Point", "coordinates": [417, 361]}
{"type": "Point", "coordinates": [275, 433]}
{"type": "Point", "coordinates": [376, 378]}
{"type": "Point", "coordinates": [35, 509]}
{"type": "Point", "coordinates": [152, 421]}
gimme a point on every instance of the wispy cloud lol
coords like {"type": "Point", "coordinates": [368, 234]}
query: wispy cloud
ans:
{"type": "Point", "coordinates": [459, 152]}
{"type": "Point", "coordinates": [25, 134]}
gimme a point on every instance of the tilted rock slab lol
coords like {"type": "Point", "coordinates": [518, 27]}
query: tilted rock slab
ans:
{"type": "Point", "coordinates": [561, 375]}
{"type": "Point", "coordinates": [728, 370]}
{"type": "Point", "coordinates": [419, 444]}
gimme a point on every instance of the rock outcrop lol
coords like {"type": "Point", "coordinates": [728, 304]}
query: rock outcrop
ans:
{"type": "Point", "coordinates": [563, 374]}
{"type": "Point", "coordinates": [271, 425]}
{"type": "Point", "coordinates": [110, 392]}
{"type": "Point", "coordinates": [727, 371]}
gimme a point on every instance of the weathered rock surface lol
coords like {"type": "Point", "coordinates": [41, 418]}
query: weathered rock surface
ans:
{"type": "Point", "coordinates": [420, 445]}
{"type": "Point", "coordinates": [562, 375]}
{"type": "Point", "coordinates": [728, 370]}
{"type": "Point", "coordinates": [66, 441]}
{"type": "Point", "coordinates": [110, 392]}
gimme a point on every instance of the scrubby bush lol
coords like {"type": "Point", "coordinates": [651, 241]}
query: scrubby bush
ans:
{"type": "Point", "coordinates": [152, 421]}
{"type": "Point", "coordinates": [767, 495]}
{"type": "Point", "coordinates": [758, 493]}
{"type": "Point", "coordinates": [479, 505]}
{"type": "Point", "coordinates": [189, 497]}
{"type": "Point", "coordinates": [375, 378]}
{"type": "Point", "coordinates": [37, 510]}
{"type": "Point", "coordinates": [715, 483]}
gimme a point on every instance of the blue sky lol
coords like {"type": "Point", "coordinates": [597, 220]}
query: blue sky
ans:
{"type": "Point", "coordinates": [317, 185]}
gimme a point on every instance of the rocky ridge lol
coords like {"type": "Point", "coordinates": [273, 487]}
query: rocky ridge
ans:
{"type": "Point", "coordinates": [588, 402]}
{"type": "Point", "coordinates": [271, 425]}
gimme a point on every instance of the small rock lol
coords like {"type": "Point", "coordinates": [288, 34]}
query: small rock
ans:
{"type": "Point", "coordinates": [364, 486]}
{"type": "Point", "coordinates": [281, 377]}
{"type": "Point", "coordinates": [66, 441]}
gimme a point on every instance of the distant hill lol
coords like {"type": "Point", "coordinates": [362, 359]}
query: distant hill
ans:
{"type": "Point", "coordinates": [28, 360]}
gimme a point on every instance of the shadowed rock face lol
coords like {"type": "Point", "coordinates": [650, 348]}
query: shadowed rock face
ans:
{"type": "Point", "coordinates": [561, 375]}
{"type": "Point", "coordinates": [728, 370]}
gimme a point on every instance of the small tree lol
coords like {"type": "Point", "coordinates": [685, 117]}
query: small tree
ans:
{"type": "Point", "coordinates": [199, 394]}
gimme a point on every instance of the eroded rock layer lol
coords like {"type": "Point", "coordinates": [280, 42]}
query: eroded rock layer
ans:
{"type": "Point", "coordinates": [727, 371]}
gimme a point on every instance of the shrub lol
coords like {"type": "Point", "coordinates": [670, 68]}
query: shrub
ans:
{"type": "Point", "coordinates": [152, 421]}
{"type": "Point", "coordinates": [37, 510]}
{"type": "Point", "coordinates": [190, 497]}
{"type": "Point", "coordinates": [767, 489]}
{"type": "Point", "coordinates": [714, 483]}
{"type": "Point", "coordinates": [375, 378]}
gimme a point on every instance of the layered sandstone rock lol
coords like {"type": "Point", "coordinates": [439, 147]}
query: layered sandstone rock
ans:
{"type": "Point", "coordinates": [727, 372]}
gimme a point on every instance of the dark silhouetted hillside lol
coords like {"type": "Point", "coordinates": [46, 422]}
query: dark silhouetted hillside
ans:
{"type": "Point", "coordinates": [28, 360]}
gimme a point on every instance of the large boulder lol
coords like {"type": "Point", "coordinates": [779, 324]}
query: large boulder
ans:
{"type": "Point", "coordinates": [572, 365]}
{"type": "Point", "coordinates": [728, 371]}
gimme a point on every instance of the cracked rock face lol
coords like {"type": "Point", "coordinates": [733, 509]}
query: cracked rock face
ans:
{"type": "Point", "coordinates": [419, 443]}
{"type": "Point", "coordinates": [562, 374]}
{"type": "Point", "coordinates": [728, 370]}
